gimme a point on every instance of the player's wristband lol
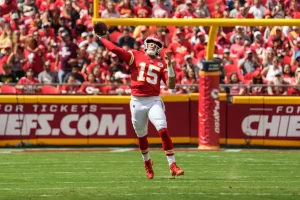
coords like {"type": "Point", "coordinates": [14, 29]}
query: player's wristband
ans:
{"type": "Point", "coordinates": [171, 71]}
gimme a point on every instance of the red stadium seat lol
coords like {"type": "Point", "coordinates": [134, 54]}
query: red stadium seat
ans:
{"type": "Point", "coordinates": [8, 89]}
{"type": "Point", "coordinates": [48, 89]}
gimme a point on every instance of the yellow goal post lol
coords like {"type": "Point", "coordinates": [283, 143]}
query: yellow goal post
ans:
{"type": "Point", "coordinates": [214, 24]}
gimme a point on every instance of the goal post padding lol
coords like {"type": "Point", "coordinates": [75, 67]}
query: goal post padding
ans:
{"type": "Point", "coordinates": [209, 106]}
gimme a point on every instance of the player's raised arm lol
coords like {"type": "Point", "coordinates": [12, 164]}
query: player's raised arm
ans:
{"type": "Point", "coordinates": [121, 53]}
{"type": "Point", "coordinates": [100, 31]}
{"type": "Point", "coordinates": [171, 82]}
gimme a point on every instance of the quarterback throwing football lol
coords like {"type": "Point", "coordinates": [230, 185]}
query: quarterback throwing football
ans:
{"type": "Point", "coordinates": [147, 71]}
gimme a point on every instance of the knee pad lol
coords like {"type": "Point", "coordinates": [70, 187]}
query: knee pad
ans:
{"type": "Point", "coordinates": [160, 124]}
{"type": "Point", "coordinates": [140, 131]}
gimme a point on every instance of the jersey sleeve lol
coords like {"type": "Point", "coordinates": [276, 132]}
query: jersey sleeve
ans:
{"type": "Point", "coordinates": [126, 56]}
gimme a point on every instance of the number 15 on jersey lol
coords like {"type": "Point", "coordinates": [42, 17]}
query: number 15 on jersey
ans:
{"type": "Point", "coordinates": [149, 74]}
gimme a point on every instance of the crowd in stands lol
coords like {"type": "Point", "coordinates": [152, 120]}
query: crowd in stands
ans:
{"type": "Point", "coordinates": [52, 41]}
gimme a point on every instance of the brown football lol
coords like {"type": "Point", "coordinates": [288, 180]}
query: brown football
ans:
{"type": "Point", "coordinates": [100, 28]}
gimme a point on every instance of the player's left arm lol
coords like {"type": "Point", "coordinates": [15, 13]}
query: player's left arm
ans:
{"type": "Point", "coordinates": [171, 81]}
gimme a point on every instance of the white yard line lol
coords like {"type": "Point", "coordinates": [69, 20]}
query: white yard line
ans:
{"type": "Point", "coordinates": [233, 150]}
{"type": "Point", "coordinates": [122, 150]}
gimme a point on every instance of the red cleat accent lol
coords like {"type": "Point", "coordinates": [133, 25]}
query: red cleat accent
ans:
{"type": "Point", "coordinates": [149, 170]}
{"type": "Point", "coordinates": [175, 170]}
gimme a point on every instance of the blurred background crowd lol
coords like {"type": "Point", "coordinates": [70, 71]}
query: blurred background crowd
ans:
{"type": "Point", "coordinates": [51, 41]}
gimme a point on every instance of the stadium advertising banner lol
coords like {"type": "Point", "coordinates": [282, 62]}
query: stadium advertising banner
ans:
{"type": "Point", "coordinates": [106, 120]}
{"type": "Point", "coordinates": [72, 123]}
{"type": "Point", "coordinates": [261, 124]}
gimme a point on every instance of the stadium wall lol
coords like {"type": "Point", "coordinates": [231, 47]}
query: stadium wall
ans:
{"type": "Point", "coordinates": [105, 120]}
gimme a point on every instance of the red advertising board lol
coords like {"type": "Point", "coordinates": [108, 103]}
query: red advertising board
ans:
{"type": "Point", "coordinates": [62, 123]}
{"type": "Point", "coordinates": [40, 120]}
{"type": "Point", "coordinates": [260, 121]}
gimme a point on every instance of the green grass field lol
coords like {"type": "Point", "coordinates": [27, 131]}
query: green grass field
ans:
{"type": "Point", "coordinates": [120, 175]}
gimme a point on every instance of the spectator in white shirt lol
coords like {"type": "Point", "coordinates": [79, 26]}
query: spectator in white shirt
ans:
{"type": "Point", "coordinates": [257, 10]}
{"type": "Point", "coordinates": [111, 11]}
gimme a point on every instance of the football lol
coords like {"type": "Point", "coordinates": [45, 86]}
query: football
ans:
{"type": "Point", "coordinates": [100, 28]}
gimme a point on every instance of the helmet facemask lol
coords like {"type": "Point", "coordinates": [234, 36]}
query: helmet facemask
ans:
{"type": "Point", "coordinates": [155, 49]}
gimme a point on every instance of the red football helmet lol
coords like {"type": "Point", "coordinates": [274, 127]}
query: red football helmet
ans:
{"type": "Point", "coordinates": [158, 45]}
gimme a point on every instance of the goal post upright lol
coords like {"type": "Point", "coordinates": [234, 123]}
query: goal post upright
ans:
{"type": "Point", "coordinates": [208, 137]}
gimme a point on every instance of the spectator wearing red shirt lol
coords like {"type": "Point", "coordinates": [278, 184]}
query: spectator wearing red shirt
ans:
{"type": "Point", "coordinates": [218, 13]}
{"type": "Point", "coordinates": [124, 89]}
{"type": "Point", "coordinates": [52, 55]}
{"type": "Point", "coordinates": [199, 46]}
{"type": "Point", "coordinates": [87, 87]}
{"type": "Point", "coordinates": [234, 90]}
{"type": "Point", "coordinates": [237, 47]}
{"type": "Point", "coordinates": [26, 84]}
{"type": "Point", "coordinates": [142, 10]}
{"type": "Point", "coordinates": [46, 34]}
{"type": "Point", "coordinates": [99, 61]}
{"type": "Point", "coordinates": [243, 13]}
{"type": "Point", "coordinates": [190, 78]}
{"type": "Point", "coordinates": [35, 57]}
{"type": "Point", "coordinates": [258, 43]}
{"type": "Point", "coordinates": [73, 88]}
{"type": "Point", "coordinates": [125, 9]}
{"type": "Point", "coordinates": [7, 7]}
{"type": "Point", "coordinates": [288, 74]}
{"type": "Point", "coordinates": [101, 75]}
{"type": "Point", "coordinates": [181, 47]}
{"type": "Point", "coordinates": [187, 13]}
{"type": "Point", "coordinates": [36, 36]}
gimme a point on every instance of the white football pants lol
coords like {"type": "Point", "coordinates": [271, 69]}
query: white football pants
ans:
{"type": "Point", "coordinates": [144, 108]}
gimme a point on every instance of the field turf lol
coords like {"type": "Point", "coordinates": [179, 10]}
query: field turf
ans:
{"type": "Point", "coordinates": [107, 175]}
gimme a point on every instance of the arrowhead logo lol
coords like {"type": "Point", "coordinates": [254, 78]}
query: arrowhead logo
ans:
{"type": "Point", "coordinates": [214, 93]}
